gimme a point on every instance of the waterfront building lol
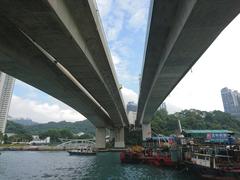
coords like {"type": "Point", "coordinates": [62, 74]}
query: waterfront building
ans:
{"type": "Point", "coordinates": [132, 116]}
{"type": "Point", "coordinates": [131, 106]}
{"type": "Point", "coordinates": [132, 112]}
{"type": "Point", "coordinates": [6, 89]}
{"type": "Point", "coordinates": [231, 101]}
{"type": "Point", "coordinates": [37, 141]}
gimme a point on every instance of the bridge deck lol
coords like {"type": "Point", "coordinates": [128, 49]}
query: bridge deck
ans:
{"type": "Point", "coordinates": [70, 30]}
{"type": "Point", "coordinates": [179, 32]}
{"type": "Point", "coordinates": [23, 60]}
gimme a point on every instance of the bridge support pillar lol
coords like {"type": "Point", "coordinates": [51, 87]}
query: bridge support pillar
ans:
{"type": "Point", "coordinates": [100, 138]}
{"type": "Point", "coordinates": [119, 138]}
{"type": "Point", "coordinates": [146, 131]}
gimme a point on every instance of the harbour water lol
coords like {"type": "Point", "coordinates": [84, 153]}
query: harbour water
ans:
{"type": "Point", "coordinates": [26, 165]}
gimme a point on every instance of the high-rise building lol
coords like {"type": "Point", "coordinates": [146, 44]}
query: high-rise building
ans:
{"type": "Point", "coordinates": [131, 106]}
{"type": "Point", "coordinates": [132, 112]}
{"type": "Point", "coordinates": [6, 89]}
{"type": "Point", "coordinates": [231, 101]}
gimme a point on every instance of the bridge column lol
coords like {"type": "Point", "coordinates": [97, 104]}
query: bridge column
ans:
{"type": "Point", "coordinates": [146, 131]}
{"type": "Point", "coordinates": [100, 138]}
{"type": "Point", "coordinates": [119, 138]}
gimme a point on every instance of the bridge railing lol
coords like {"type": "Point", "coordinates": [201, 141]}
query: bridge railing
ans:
{"type": "Point", "coordinates": [77, 143]}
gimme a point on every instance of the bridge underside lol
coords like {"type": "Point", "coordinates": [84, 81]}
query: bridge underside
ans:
{"type": "Point", "coordinates": [23, 60]}
{"type": "Point", "coordinates": [179, 32]}
{"type": "Point", "coordinates": [59, 47]}
{"type": "Point", "coordinates": [70, 32]}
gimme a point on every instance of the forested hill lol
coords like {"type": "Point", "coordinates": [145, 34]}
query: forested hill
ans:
{"type": "Point", "coordinates": [75, 127]}
{"type": "Point", "coordinates": [164, 123]}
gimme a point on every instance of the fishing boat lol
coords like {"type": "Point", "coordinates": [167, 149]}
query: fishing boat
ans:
{"type": "Point", "coordinates": [83, 151]}
{"type": "Point", "coordinates": [219, 163]}
{"type": "Point", "coordinates": [212, 154]}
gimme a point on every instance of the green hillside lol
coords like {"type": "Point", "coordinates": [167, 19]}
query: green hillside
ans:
{"type": "Point", "coordinates": [75, 127]}
{"type": "Point", "coordinates": [13, 127]}
{"type": "Point", "coordinates": [164, 123]}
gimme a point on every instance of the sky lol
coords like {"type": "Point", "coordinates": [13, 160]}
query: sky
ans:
{"type": "Point", "coordinates": [125, 23]}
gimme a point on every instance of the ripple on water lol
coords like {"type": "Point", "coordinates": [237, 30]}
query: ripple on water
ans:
{"type": "Point", "coordinates": [59, 165]}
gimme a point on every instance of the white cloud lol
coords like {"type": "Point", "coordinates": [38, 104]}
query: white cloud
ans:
{"type": "Point", "coordinates": [104, 7]}
{"type": "Point", "coordinates": [137, 20]}
{"type": "Point", "coordinates": [123, 22]}
{"type": "Point", "coordinates": [114, 25]}
{"type": "Point", "coordinates": [117, 14]}
{"type": "Point", "coordinates": [112, 19]}
{"type": "Point", "coordinates": [115, 58]}
{"type": "Point", "coordinates": [171, 108]}
{"type": "Point", "coordinates": [42, 112]}
{"type": "Point", "coordinates": [122, 70]}
{"type": "Point", "coordinates": [129, 95]}
{"type": "Point", "coordinates": [137, 12]}
{"type": "Point", "coordinates": [217, 68]}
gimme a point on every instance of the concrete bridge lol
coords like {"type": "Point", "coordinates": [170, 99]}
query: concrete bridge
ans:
{"type": "Point", "coordinates": [179, 32]}
{"type": "Point", "coordinates": [77, 143]}
{"type": "Point", "coordinates": [59, 47]}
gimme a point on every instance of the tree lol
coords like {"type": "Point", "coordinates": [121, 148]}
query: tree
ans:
{"type": "Point", "coordinates": [163, 123]}
{"type": "Point", "coordinates": [86, 136]}
{"type": "Point", "coordinates": [66, 133]}
{"type": "Point", "coordinates": [1, 137]}
{"type": "Point", "coordinates": [133, 137]}
{"type": "Point", "coordinates": [20, 138]}
{"type": "Point", "coordinates": [52, 133]}
{"type": "Point", "coordinates": [55, 134]}
{"type": "Point", "coordinates": [5, 139]}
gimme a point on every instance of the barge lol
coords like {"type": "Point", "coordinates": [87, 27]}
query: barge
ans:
{"type": "Point", "coordinates": [158, 151]}
{"type": "Point", "coordinates": [210, 154]}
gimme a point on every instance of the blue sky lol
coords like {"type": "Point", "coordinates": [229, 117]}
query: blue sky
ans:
{"type": "Point", "coordinates": [124, 23]}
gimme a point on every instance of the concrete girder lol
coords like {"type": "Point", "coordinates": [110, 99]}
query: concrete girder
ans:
{"type": "Point", "coordinates": [70, 30]}
{"type": "Point", "coordinates": [179, 32]}
{"type": "Point", "coordinates": [20, 58]}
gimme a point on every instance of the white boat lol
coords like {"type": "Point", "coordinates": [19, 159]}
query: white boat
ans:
{"type": "Point", "coordinates": [83, 151]}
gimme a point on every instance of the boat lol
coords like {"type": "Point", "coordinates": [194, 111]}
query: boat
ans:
{"type": "Point", "coordinates": [217, 162]}
{"type": "Point", "coordinates": [83, 151]}
{"type": "Point", "coordinates": [158, 151]}
{"type": "Point", "coordinates": [212, 154]}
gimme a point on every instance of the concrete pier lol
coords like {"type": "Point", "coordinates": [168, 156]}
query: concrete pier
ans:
{"type": "Point", "coordinates": [119, 138]}
{"type": "Point", "coordinates": [100, 138]}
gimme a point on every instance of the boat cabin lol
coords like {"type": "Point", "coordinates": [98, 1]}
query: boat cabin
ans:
{"type": "Point", "coordinates": [210, 136]}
